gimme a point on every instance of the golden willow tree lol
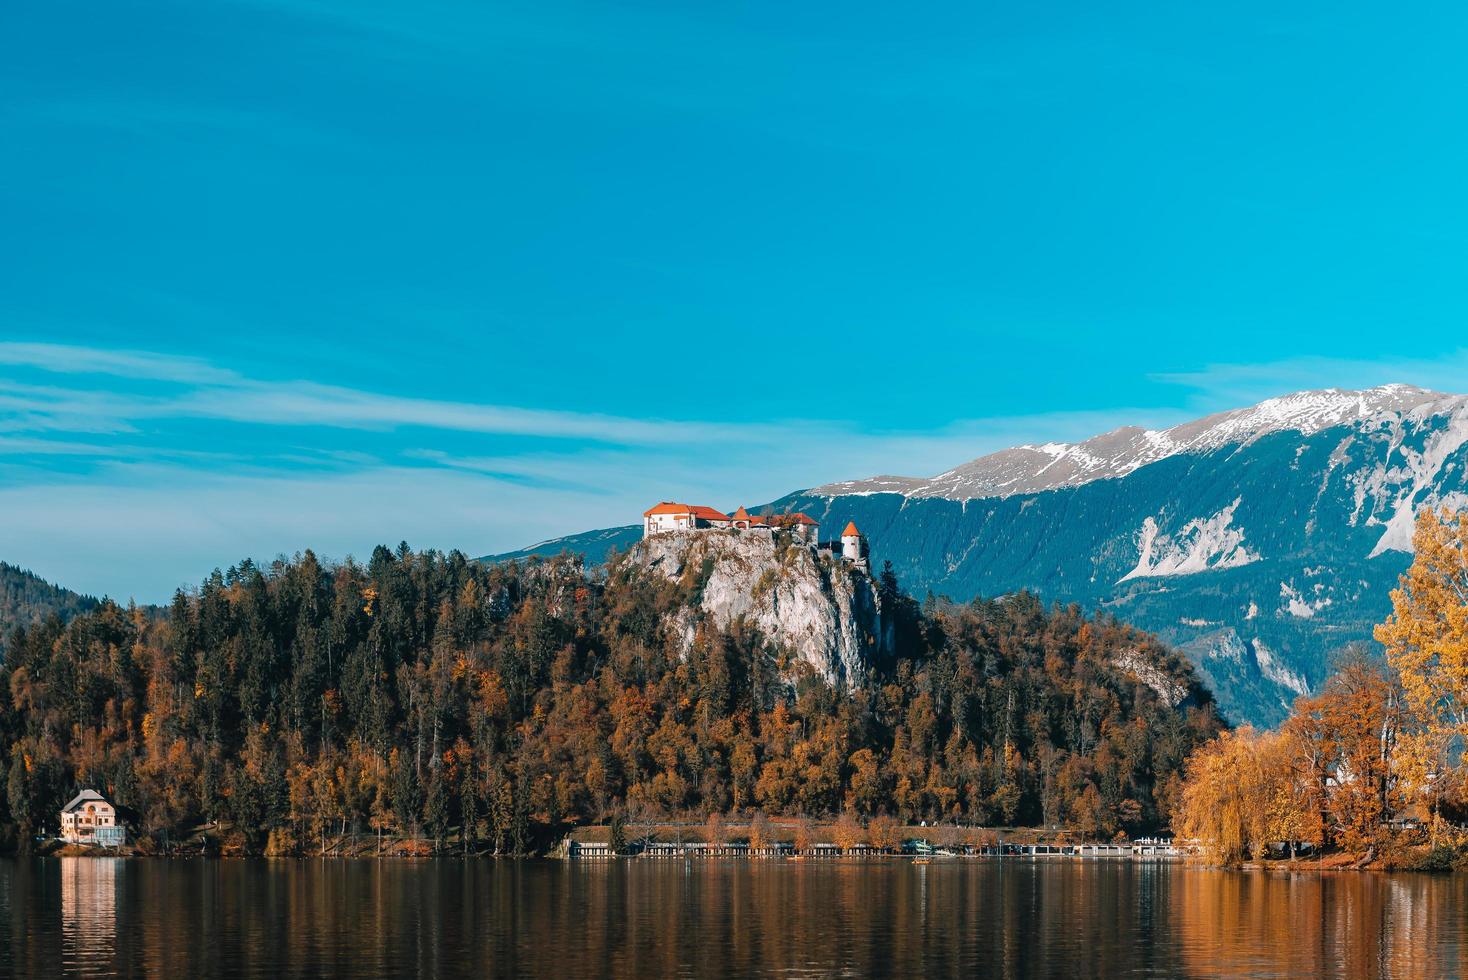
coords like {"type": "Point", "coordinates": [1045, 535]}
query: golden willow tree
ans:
{"type": "Point", "coordinates": [1217, 805]}
{"type": "Point", "coordinates": [1426, 641]}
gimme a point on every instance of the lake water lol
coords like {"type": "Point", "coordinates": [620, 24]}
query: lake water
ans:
{"type": "Point", "coordinates": [648, 918]}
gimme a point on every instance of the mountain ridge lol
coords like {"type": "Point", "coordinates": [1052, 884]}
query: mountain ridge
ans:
{"type": "Point", "coordinates": [1032, 467]}
{"type": "Point", "coordinates": [1261, 541]}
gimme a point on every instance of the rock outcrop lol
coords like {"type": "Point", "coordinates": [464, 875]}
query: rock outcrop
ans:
{"type": "Point", "coordinates": [823, 610]}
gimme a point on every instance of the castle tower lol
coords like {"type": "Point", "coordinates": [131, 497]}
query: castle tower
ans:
{"type": "Point", "coordinates": [853, 545]}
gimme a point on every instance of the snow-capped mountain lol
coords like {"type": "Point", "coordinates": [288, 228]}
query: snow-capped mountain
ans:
{"type": "Point", "coordinates": [1030, 469]}
{"type": "Point", "coordinates": [1260, 541]}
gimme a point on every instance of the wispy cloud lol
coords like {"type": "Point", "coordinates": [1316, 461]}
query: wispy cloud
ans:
{"type": "Point", "coordinates": [220, 394]}
{"type": "Point", "coordinates": [10, 445]}
{"type": "Point", "coordinates": [197, 389]}
{"type": "Point", "coordinates": [308, 403]}
{"type": "Point", "coordinates": [146, 365]}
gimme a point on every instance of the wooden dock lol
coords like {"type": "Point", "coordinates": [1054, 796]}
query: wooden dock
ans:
{"type": "Point", "coordinates": [1145, 848]}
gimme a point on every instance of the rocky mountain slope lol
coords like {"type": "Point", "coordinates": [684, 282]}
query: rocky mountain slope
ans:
{"type": "Point", "coordinates": [1260, 541]}
{"type": "Point", "coordinates": [822, 609]}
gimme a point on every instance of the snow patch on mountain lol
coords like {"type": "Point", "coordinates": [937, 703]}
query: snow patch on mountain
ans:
{"type": "Point", "coordinates": [1299, 604]}
{"type": "Point", "coordinates": [1203, 544]}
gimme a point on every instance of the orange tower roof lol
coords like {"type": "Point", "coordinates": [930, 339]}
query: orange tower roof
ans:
{"type": "Point", "coordinates": [851, 531]}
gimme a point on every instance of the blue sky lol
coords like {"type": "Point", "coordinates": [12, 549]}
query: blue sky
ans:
{"type": "Point", "coordinates": [287, 274]}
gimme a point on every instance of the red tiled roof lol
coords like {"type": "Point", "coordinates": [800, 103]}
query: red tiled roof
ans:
{"type": "Point", "coordinates": [709, 514]}
{"type": "Point", "coordinates": [851, 530]}
{"type": "Point", "coordinates": [695, 510]}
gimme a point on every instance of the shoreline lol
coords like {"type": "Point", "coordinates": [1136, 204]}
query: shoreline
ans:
{"type": "Point", "coordinates": [1330, 864]}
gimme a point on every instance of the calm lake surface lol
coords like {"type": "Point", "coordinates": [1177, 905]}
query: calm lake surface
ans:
{"type": "Point", "coordinates": [647, 918]}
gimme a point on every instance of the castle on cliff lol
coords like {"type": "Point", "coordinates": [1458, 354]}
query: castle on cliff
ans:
{"type": "Point", "coordinates": [670, 517]}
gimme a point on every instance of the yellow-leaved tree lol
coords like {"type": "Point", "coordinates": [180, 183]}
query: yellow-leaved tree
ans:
{"type": "Point", "coordinates": [1244, 794]}
{"type": "Point", "coordinates": [1426, 641]}
{"type": "Point", "coordinates": [1221, 806]}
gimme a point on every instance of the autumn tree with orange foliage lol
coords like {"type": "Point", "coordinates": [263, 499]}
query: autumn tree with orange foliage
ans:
{"type": "Point", "coordinates": [1223, 802]}
{"type": "Point", "coordinates": [1426, 641]}
{"type": "Point", "coordinates": [1327, 777]}
{"type": "Point", "coordinates": [1342, 750]}
{"type": "Point", "coordinates": [761, 834]}
{"type": "Point", "coordinates": [884, 833]}
{"type": "Point", "coordinates": [848, 831]}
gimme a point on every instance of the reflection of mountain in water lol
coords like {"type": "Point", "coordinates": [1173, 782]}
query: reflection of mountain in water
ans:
{"type": "Point", "coordinates": [89, 912]}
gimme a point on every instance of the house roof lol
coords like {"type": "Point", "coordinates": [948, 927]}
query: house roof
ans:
{"type": "Point", "coordinates": [696, 510]}
{"type": "Point", "coordinates": [81, 799]}
{"type": "Point", "coordinates": [851, 531]}
{"type": "Point", "coordinates": [741, 514]}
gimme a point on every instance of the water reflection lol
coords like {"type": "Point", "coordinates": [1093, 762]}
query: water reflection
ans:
{"type": "Point", "coordinates": [1344, 924]}
{"type": "Point", "coordinates": [89, 911]}
{"type": "Point", "coordinates": [314, 918]}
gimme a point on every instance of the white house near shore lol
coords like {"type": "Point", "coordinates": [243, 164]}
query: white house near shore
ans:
{"type": "Point", "coordinates": [90, 818]}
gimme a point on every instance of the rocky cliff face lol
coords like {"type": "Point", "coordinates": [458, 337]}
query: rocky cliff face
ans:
{"type": "Point", "coordinates": [823, 610]}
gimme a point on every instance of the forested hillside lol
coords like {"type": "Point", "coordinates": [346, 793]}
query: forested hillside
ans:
{"type": "Point", "coordinates": [429, 693]}
{"type": "Point", "coordinates": [26, 599]}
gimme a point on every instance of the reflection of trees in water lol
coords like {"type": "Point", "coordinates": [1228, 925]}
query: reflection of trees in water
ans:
{"type": "Point", "coordinates": [89, 911]}
{"type": "Point", "coordinates": [1348, 924]}
{"type": "Point", "coordinates": [568, 919]}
